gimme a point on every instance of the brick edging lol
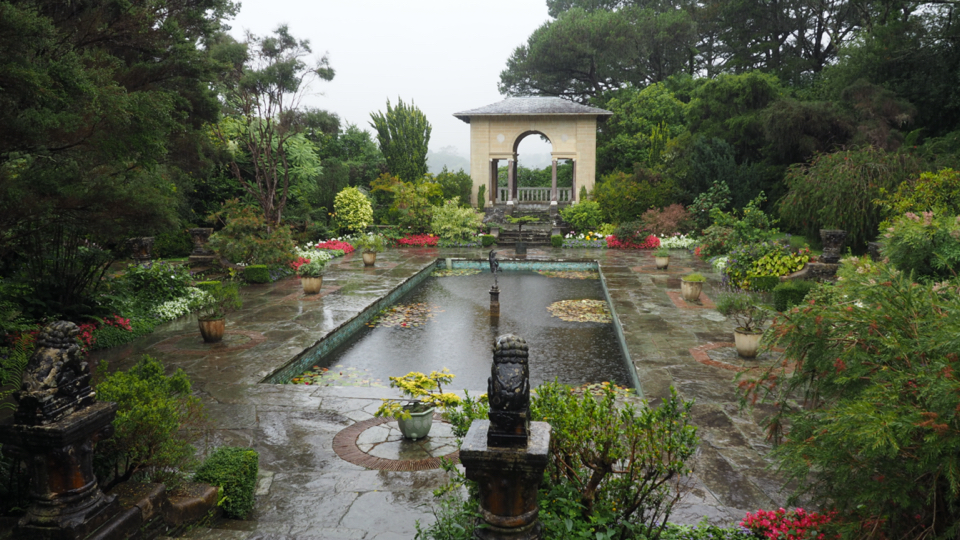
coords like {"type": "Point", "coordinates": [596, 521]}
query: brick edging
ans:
{"type": "Point", "coordinates": [345, 445]}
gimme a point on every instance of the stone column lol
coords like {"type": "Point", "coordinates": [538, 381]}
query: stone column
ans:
{"type": "Point", "coordinates": [511, 181]}
{"type": "Point", "coordinates": [494, 180]}
{"type": "Point", "coordinates": [553, 185]}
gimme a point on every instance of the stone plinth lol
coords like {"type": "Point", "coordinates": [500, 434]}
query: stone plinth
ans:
{"type": "Point", "coordinates": [508, 479]}
{"type": "Point", "coordinates": [494, 301]}
{"type": "Point", "coordinates": [141, 248]}
{"type": "Point", "coordinates": [66, 501]}
{"type": "Point", "coordinates": [201, 255]}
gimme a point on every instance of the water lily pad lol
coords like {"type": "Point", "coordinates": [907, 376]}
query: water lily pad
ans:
{"type": "Point", "coordinates": [338, 376]}
{"type": "Point", "coordinates": [457, 272]}
{"type": "Point", "coordinates": [405, 315]}
{"type": "Point", "coordinates": [570, 274]}
{"type": "Point", "coordinates": [581, 311]}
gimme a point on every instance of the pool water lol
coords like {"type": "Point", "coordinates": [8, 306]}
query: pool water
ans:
{"type": "Point", "coordinates": [448, 325]}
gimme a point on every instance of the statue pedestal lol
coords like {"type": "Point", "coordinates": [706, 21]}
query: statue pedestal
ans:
{"type": "Point", "coordinates": [66, 501]}
{"type": "Point", "coordinates": [509, 479]}
{"type": "Point", "coordinates": [494, 301]}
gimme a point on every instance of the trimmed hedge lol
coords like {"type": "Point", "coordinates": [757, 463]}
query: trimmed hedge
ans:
{"type": "Point", "coordinates": [256, 273]}
{"type": "Point", "coordinates": [791, 293]}
{"type": "Point", "coordinates": [764, 283]}
{"type": "Point", "coordinates": [234, 470]}
{"type": "Point", "coordinates": [488, 240]}
{"type": "Point", "coordinates": [556, 241]}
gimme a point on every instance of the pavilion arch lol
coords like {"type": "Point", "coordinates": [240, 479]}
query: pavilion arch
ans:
{"type": "Point", "coordinates": [495, 134]}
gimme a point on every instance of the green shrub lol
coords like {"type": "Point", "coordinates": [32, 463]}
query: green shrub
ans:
{"type": "Point", "coordinates": [731, 229]}
{"type": "Point", "coordinates": [624, 197]}
{"type": "Point", "coordinates": [247, 237]}
{"type": "Point", "coordinates": [12, 361]}
{"type": "Point", "coordinates": [764, 283]}
{"type": "Point", "coordinates": [926, 246]}
{"type": "Point", "coordinates": [615, 461]}
{"type": "Point", "coordinates": [454, 223]}
{"type": "Point", "coordinates": [877, 437]}
{"type": "Point", "coordinates": [583, 194]}
{"type": "Point", "coordinates": [151, 437]}
{"type": "Point", "coordinates": [154, 283]}
{"type": "Point", "coordinates": [747, 262]}
{"type": "Point", "coordinates": [717, 197]}
{"type": "Point", "coordinates": [938, 192]}
{"type": "Point", "coordinates": [172, 244]}
{"type": "Point", "coordinates": [234, 470]}
{"type": "Point", "coordinates": [488, 240]}
{"type": "Point", "coordinates": [207, 286]}
{"type": "Point", "coordinates": [352, 210]}
{"type": "Point", "coordinates": [585, 216]}
{"type": "Point", "coordinates": [791, 293]}
{"type": "Point", "coordinates": [556, 241]}
{"type": "Point", "coordinates": [481, 196]}
{"type": "Point", "coordinates": [256, 273]}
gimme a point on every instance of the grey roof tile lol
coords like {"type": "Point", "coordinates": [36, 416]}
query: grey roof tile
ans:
{"type": "Point", "coordinates": [532, 106]}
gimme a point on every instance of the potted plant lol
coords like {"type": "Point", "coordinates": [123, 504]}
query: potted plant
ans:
{"type": "Point", "coordinates": [369, 245]}
{"type": "Point", "coordinates": [425, 393]}
{"type": "Point", "coordinates": [521, 247]}
{"type": "Point", "coordinates": [662, 256]}
{"type": "Point", "coordinates": [225, 297]}
{"type": "Point", "coordinates": [691, 285]}
{"type": "Point", "coordinates": [749, 316]}
{"type": "Point", "coordinates": [311, 276]}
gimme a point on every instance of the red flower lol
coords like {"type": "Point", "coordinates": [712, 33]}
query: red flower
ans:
{"type": "Point", "coordinates": [418, 240]}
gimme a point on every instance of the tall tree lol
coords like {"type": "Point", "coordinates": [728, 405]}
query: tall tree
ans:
{"type": "Point", "coordinates": [262, 97]}
{"type": "Point", "coordinates": [404, 134]}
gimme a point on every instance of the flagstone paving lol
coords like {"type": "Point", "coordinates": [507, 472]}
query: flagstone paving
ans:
{"type": "Point", "coordinates": [307, 490]}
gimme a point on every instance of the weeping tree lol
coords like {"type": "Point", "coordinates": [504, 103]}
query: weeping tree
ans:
{"type": "Point", "coordinates": [403, 133]}
{"type": "Point", "coordinates": [262, 127]}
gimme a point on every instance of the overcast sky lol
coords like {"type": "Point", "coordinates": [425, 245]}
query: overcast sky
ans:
{"type": "Point", "coordinates": [444, 55]}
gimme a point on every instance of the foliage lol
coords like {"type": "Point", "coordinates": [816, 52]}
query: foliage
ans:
{"type": "Point", "coordinates": [455, 184]}
{"type": "Point", "coordinates": [840, 189]}
{"type": "Point", "coordinates": [233, 470]}
{"type": "Point", "coordinates": [623, 197]}
{"type": "Point", "coordinates": [632, 236]}
{"type": "Point", "coordinates": [670, 220]}
{"type": "Point", "coordinates": [224, 298]}
{"type": "Point", "coordinates": [13, 359]}
{"type": "Point", "coordinates": [717, 197]}
{"type": "Point", "coordinates": [469, 409]}
{"type": "Point", "coordinates": [481, 196]}
{"type": "Point", "coordinates": [519, 221]}
{"type": "Point", "coordinates": [625, 138]}
{"type": "Point", "coordinates": [262, 134]}
{"type": "Point", "coordinates": [791, 293]}
{"type": "Point", "coordinates": [487, 240]}
{"type": "Point", "coordinates": [696, 276]}
{"type": "Point", "coordinates": [172, 244]}
{"type": "Point", "coordinates": [150, 439]}
{"type": "Point", "coordinates": [696, 163]}
{"type": "Point", "coordinates": [662, 252]}
{"type": "Point", "coordinates": [247, 238]}
{"type": "Point", "coordinates": [797, 524]}
{"type": "Point", "coordinates": [256, 273]}
{"type": "Point", "coordinates": [705, 531]}
{"type": "Point", "coordinates": [556, 241]}
{"type": "Point", "coordinates": [764, 283]}
{"type": "Point", "coordinates": [352, 210]}
{"type": "Point", "coordinates": [938, 192]}
{"type": "Point", "coordinates": [413, 202]}
{"type": "Point", "coordinates": [583, 216]}
{"type": "Point", "coordinates": [418, 240]}
{"type": "Point", "coordinates": [336, 245]}
{"type": "Point", "coordinates": [616, 459]}
{"type": "Point", "coordinates": [452, 222]}
{"type": "Point", "coordinates": [370, 243]}
{"type": "Point", "coordinates": [422, 389]}
{"type": "Point", "coordinates": [193, 300]}
{"type": "Point", "coordinates": [744, 307]}
{"type": "Point", "coordinates": [749, 261]}
{"type": "Point", "coordinates": [155, 282]}
{"type": "Point", "coordinates": [731, 229]}
{"type": "Point", "coordinates": [925, 246]}
{"type": "Point", "coordinates": [314, 268]}
{"type": "Point", "coordinates": [875, 436]}
{"type": "Point", "coordinates": [403, 133]}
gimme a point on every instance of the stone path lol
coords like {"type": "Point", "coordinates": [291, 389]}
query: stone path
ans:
{"type": "Point", "coordinates": [308, 490]}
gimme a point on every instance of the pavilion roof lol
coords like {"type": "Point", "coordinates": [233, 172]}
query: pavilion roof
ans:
{"type": "Point", "coordinates": [532, 106]}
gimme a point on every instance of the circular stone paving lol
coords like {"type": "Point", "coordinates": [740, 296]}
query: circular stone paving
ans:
{"type": "Point", "coordinates": [233, 340]}
{"type": "Point", "coordinates": [378, 444]}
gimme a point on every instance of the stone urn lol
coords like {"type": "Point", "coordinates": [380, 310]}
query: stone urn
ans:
{"type": "Point", "coordinates": [212, 329]}
{"type": "Point", "coordinates": [419, 423]}
{"type": "Point", "coordinates": [369, 258]}
{"type": "Point", "coordinates": [662, 262]}
{"type": "Point", "coordinates": [690, 290]}
{"type": "Point", "coordinates": [311, 285]}
{"type": "Point", "coordinates": [747, 342]}
{"type": "Point", "coordinates": [520, 248]}
{"type": "Point", "coordinates": [832, 244]}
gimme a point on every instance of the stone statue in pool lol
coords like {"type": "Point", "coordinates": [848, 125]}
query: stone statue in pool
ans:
{"type": "Point", "coordinates": [508, 390]}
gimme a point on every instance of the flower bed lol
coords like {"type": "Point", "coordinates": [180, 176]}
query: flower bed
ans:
{"type": "Point", "coordinates": [650, 242]}
{"type": "Point", "coordinates": [677, 241]}
{"type": "Point", "coordinates": [785, 525]}
{"type": "Point", "coordinates": [336, 244]}
{"type": "Point", "coordinates": [418, 240]}
{"type": "Point", "coordinates": [589, 239]}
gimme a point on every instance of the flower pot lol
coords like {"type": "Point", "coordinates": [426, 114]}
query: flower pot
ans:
{"type": "Point", "coordinates": [747, 342]}
{"type": "Point", "coordinates": [418, 426]}
{"type": "Point", "coordinates": [690, 290]}
{"type": "Point", "coordinates": [369, 258]}
{"type": "Point", "coordinates": [311, 285]}
{"type": "Point", "coordinates": [832, 244]}
{"type": "Point", "coordinates": [663, 263]}
{"type": "Point", "coordinates": [212, 330]}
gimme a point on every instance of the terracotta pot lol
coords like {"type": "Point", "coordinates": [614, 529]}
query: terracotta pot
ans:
{"type": "Point", "coordinates": [369, 258]}
{"type": "Point", "coordinates": [662, 262]}
{"type": "Point", "coordinates": [212, 330]}
{"type": "Point", "coordinates": [418, 426]}
{"type": "Point", "coordinates": [690, 290]}
{"type": "Point", "coordinates": [747, 342]}
{"type": "Point", "coordinates": [311, 285]}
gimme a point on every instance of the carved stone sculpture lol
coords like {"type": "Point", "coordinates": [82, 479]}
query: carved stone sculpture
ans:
{"type": "Point", "coordinates": [508, 390]}
{"type": "Point", "coordinates": [56, 381]}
